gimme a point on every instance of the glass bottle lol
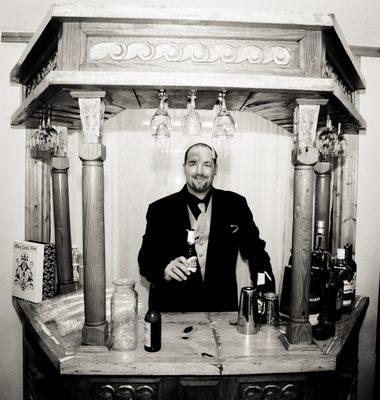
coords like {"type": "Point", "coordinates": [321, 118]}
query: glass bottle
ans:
{"type": "Point", "coordinates": [315, 282]}
{"type": "Point", "coordinates": [326, 321]}
{"type": "Point", "coordinates": [346, 275]}
{"type": "Point", "coordinates": [124, 315]}
{"type": "Point", "coordinates": [352, 264]}
{"type": "Point", "coordinates": [152, 330]}
{"type": "Point", "coordinates": [338, 281]}
{"type": "Point", "coordinates": [191, 256]}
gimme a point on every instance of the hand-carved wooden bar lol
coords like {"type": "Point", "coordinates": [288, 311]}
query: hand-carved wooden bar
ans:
{"type": "Point", "coordinates": [89, 63]}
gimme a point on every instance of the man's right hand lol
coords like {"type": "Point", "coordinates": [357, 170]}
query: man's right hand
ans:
{"type": "Point", "coordinates": [177, 269]}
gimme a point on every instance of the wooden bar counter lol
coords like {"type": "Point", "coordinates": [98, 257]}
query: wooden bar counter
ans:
{"type": "Point", "coordinates": [212, 361]}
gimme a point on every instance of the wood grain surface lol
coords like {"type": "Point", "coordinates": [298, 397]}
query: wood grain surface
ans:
{"type": "Point", "coordinates": [213, 347]}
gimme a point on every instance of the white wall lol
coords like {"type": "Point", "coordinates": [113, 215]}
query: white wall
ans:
{"type": "Point", "coordinates": [359, 23]}
{"type": "Point", "coordinates": [368, 220]}
{"type": "Point", "coordinates": [11, 224]}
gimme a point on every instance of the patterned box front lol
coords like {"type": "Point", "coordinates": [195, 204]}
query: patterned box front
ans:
{"type": "Point", "coordinates": [34, 271]}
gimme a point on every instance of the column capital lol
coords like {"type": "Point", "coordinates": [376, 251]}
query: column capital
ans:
{"type": "Point", "coordinates": [305, 120]}
{"type": "Point", "coordinates": [61, 163]}
{"type": "Point", "coordinates": [92, 105]}
{"type": "Point", "coordinates": [92, 152]}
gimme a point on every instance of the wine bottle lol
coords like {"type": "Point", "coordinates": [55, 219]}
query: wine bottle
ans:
{"type": "Point", "coordinates": [338, 282]}
{"type": "Point", "coordinates": [152, 331]}
{"type": "Point", "coordinates": [315, 282]}
{"type": "Point", "coordinates": [346, 275]}
{"type": "Point", "coordinates": [326, 321]}
{"type": "Point", "coordinates": [352, 264]}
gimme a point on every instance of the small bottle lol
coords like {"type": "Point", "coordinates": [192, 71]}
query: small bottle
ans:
{"type": "Point", "coordinates": [191, 256]}
{"type": "Point", "coordinates": [152, 331]}
{"type": "Point", "coordinates": [346, 275]}
{"type": "Point", "coordinates": [352, 264]}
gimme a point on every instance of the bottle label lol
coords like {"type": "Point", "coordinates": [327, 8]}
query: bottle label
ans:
{"type": "Point", "coordinates": [192, 264]}
{"type": "Point", "coordinates": [347, 303]}
{"type": "Point", "coordinates": [148, 334]}
{"type": "Point", "coordinates": [313, 319]}
{"type": "Point", "coordinates": [348, 286]}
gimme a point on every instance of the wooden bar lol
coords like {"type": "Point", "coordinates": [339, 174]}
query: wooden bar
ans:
{"type": "Point", "coordinates": [212, 361]}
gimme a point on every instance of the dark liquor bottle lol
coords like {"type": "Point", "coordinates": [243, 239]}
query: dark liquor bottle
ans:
{"type": "Point", "coordinates": [315, 282]}
{"type": "Point", "coordinates": [351, 264]}
{"type": "Point", "coordinates": [346, 275]}
{"type": "Point", "coordinates": [326, 321]}
{"type": "Point", "coordinates": [338, 282]}
{"type": "Point", "coordinates": [152, 331]}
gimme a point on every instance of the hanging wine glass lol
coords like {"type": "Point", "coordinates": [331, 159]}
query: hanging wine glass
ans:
{"type": "Point", "coordinates": [51, 134]}
{"type": "Point", "coordinates": [38, 135]}
{"type": "Point", "coordinates": [341, 145]}
{"type": "Point", "coordinates": [224, 124]}
{"type": "Point", "coordinates": [161, 124]}
{"type": "Point", "coordinates": [326, 139]}
{"type": "Point", "coordinates": [191, 123]}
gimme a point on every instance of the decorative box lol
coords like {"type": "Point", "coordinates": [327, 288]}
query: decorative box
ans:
{"type": "Point", "coordinates": [34, 271]}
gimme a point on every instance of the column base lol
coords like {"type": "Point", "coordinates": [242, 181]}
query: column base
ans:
{"type": "Point", "coordinates": [95, 335]}
{"type": "Point", "coordinates": [66, 287]}
{"type": "Point", "coordinates": [297, 346]}
{"type": "Point", "coordinates": [299, 332]}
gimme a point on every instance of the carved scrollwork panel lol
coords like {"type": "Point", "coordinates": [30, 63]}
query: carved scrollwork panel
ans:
{"type": "Point", "coordinates": [194, 52]}
{"type": "Point", "coordinates": [289, 392]}
{"type": "Point", "coordinates": [272, 392]}
{"type": "Point", "coordinates": [253, 393]}
{"type": "Point", "coordinates": [105, 392]}
{"type": "Point", "coordinates": [145, 392]}
{"type": "Point", "coordinates": [125, 392]}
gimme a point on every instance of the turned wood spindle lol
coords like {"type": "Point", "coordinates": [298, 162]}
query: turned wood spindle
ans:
{"type": "Point", "coordinates": [62, 230]}
{"type": "Point", "coordinates": [304, 157]}
{"type": "Point", "coordinates": [93, 153]}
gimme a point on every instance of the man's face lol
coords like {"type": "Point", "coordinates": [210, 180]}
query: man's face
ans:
{"type": "Point", "coordinates": [200, 169]}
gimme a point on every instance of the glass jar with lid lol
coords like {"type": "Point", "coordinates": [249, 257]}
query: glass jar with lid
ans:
{"type": "Point", "coordinates": [124, 315]}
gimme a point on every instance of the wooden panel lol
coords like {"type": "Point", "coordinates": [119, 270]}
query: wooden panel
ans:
{"type": "Point", "coordinates": [37, 197]}
{"type": "Point", "coordinates": [313, 54]}
{"type": "Point", "coordinates": [71, 47]}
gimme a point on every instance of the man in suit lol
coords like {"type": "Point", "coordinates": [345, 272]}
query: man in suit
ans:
{"type": "Point", "coordinates": [223, 225]}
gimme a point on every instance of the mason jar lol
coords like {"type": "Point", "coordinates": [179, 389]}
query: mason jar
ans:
{"type": "Point", "coordinates": [124, 315]}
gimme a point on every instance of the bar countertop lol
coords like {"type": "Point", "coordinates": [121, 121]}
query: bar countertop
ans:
{"type": "Point", "coordinates": [212, 348]}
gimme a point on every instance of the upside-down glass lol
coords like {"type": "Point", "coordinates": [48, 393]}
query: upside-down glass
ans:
{"type": "Point", "coordinates": [224, 124]}
{"type": "Point", "coordinates": [161, 124]}
{"type": "Point", "coordinates": [191, 123]}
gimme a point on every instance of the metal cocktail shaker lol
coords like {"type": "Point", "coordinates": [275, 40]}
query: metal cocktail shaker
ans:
{"type": "Point", "coordinates": [248, 322]}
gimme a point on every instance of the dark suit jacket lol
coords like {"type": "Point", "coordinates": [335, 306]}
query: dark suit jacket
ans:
{"type": "Point", "coordinates": [232, 228]}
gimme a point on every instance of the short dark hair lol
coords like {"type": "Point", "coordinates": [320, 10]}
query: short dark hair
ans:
{"type": "Point", "coordinates": [213, 151]}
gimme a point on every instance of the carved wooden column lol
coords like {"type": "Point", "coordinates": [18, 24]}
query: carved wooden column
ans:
{"type": "Point", "coordinates": [60, 165]}
{"type": "Point", "coordinates": [304, 157]}
{"type": "Point", "coordinates": [322, 201]}
{"type": "Point", "coordinates": [93, 153]}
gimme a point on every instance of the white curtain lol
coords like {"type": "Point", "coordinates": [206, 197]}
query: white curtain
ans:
{"type": "Point", "coordinates": [255, 163]}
